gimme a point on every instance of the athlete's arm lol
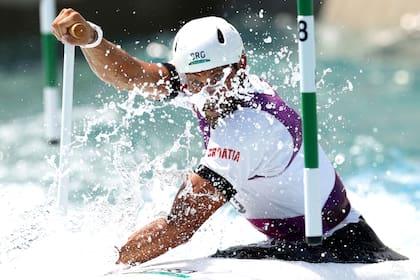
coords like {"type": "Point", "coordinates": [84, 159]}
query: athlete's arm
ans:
{"type": "Point", "coordinates": [196, 201]}
{"type": "Point", "coordinates": [111, 63]}
{"type": "Point", "coordinates": [115, 66]}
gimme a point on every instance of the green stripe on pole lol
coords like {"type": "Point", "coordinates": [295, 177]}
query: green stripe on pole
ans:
{"type": "Point", "coordinates": [49, 55]}
{"type": "Point", "coordinates": [309, 126]}
{"type": "Point", "coordinates": [305, 8]}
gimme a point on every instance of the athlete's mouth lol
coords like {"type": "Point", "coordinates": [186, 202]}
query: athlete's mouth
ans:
{"type": "Point", "coordinates": [210, 106]}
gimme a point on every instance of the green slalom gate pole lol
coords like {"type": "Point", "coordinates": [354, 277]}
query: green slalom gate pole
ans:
{"type": "Point", "coordinates": [313, 222]}
{"type": "Point", "coordinates": [47, 12]}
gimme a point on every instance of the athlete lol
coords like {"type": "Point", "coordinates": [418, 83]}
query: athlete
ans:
{"type": "Point", "coordinates": [253, 142]}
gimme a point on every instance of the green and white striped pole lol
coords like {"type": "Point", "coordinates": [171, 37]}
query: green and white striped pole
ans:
{"type": "Point", "coordinates": [313, 222]}
{"type": "Point", "coordinates": [47, 11]}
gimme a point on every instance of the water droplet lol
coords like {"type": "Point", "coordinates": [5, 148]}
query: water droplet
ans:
{"type": "Point", "coordinates": [401, 77]}
{"type": "Point", "coordinates": [268, 40]}
{"type": "Point", "coordinates": [339, 159]}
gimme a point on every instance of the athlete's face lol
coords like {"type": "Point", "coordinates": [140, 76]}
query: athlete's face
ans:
{"type": "Point", "coordinates": [212, 91]}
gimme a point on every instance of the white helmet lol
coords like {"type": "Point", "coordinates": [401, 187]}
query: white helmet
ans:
{"type": "Point", "coordinates": [206, 43]}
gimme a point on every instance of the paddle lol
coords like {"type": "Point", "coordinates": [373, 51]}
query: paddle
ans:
{"type": "Point", "coordinates": [66, 119]}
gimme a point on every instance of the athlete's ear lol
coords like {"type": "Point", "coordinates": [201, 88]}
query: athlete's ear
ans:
{"type": "Point", "coordinates": [242, 61]}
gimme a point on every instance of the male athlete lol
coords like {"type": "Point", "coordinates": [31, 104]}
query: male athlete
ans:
{"type": "Point", "coordinates": [253, 142]}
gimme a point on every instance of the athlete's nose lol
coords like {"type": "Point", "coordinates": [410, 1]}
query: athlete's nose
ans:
{"type": "Point", "coordinates": [210, 90]}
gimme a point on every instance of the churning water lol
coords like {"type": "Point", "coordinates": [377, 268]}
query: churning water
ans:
{"type": "Point", "coordinates": [128, 154]}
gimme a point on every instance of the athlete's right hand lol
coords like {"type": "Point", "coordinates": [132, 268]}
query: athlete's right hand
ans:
{"type": "Point", "coordinates": [62, 24]}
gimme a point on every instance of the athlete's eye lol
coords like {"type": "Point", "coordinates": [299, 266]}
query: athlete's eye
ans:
{"type": "Point", "coordinates": [196, 83]}
{"type": "Point", "coordinates": [218, 77]}
{"type": "Point", "coordinates": [215, 79]}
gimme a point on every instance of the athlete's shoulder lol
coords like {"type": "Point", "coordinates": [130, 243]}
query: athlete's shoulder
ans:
{"type": "Point", "coordinates": [258, 85]}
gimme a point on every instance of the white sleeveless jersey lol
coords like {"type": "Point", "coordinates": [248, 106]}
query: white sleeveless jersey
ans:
{"type": "Point", "coordinates": [257, 154]}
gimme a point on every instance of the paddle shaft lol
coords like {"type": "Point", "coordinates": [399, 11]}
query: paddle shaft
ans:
{"type": "Point", "coordinates": [66, 118]}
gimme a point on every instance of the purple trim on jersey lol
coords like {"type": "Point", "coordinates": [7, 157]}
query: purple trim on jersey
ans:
{"type": "Point", "coordinates": [273, 105]}
{"type": "Point", "coordinates": [276, 107]}
{"type": "Point", "coordinates": [335, 210]}
{"type": "Point", "coordinates": [204, 127]}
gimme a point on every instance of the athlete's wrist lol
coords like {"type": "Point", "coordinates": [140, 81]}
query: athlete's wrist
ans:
{"type": "Point", "coordinates": [98, 36]}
